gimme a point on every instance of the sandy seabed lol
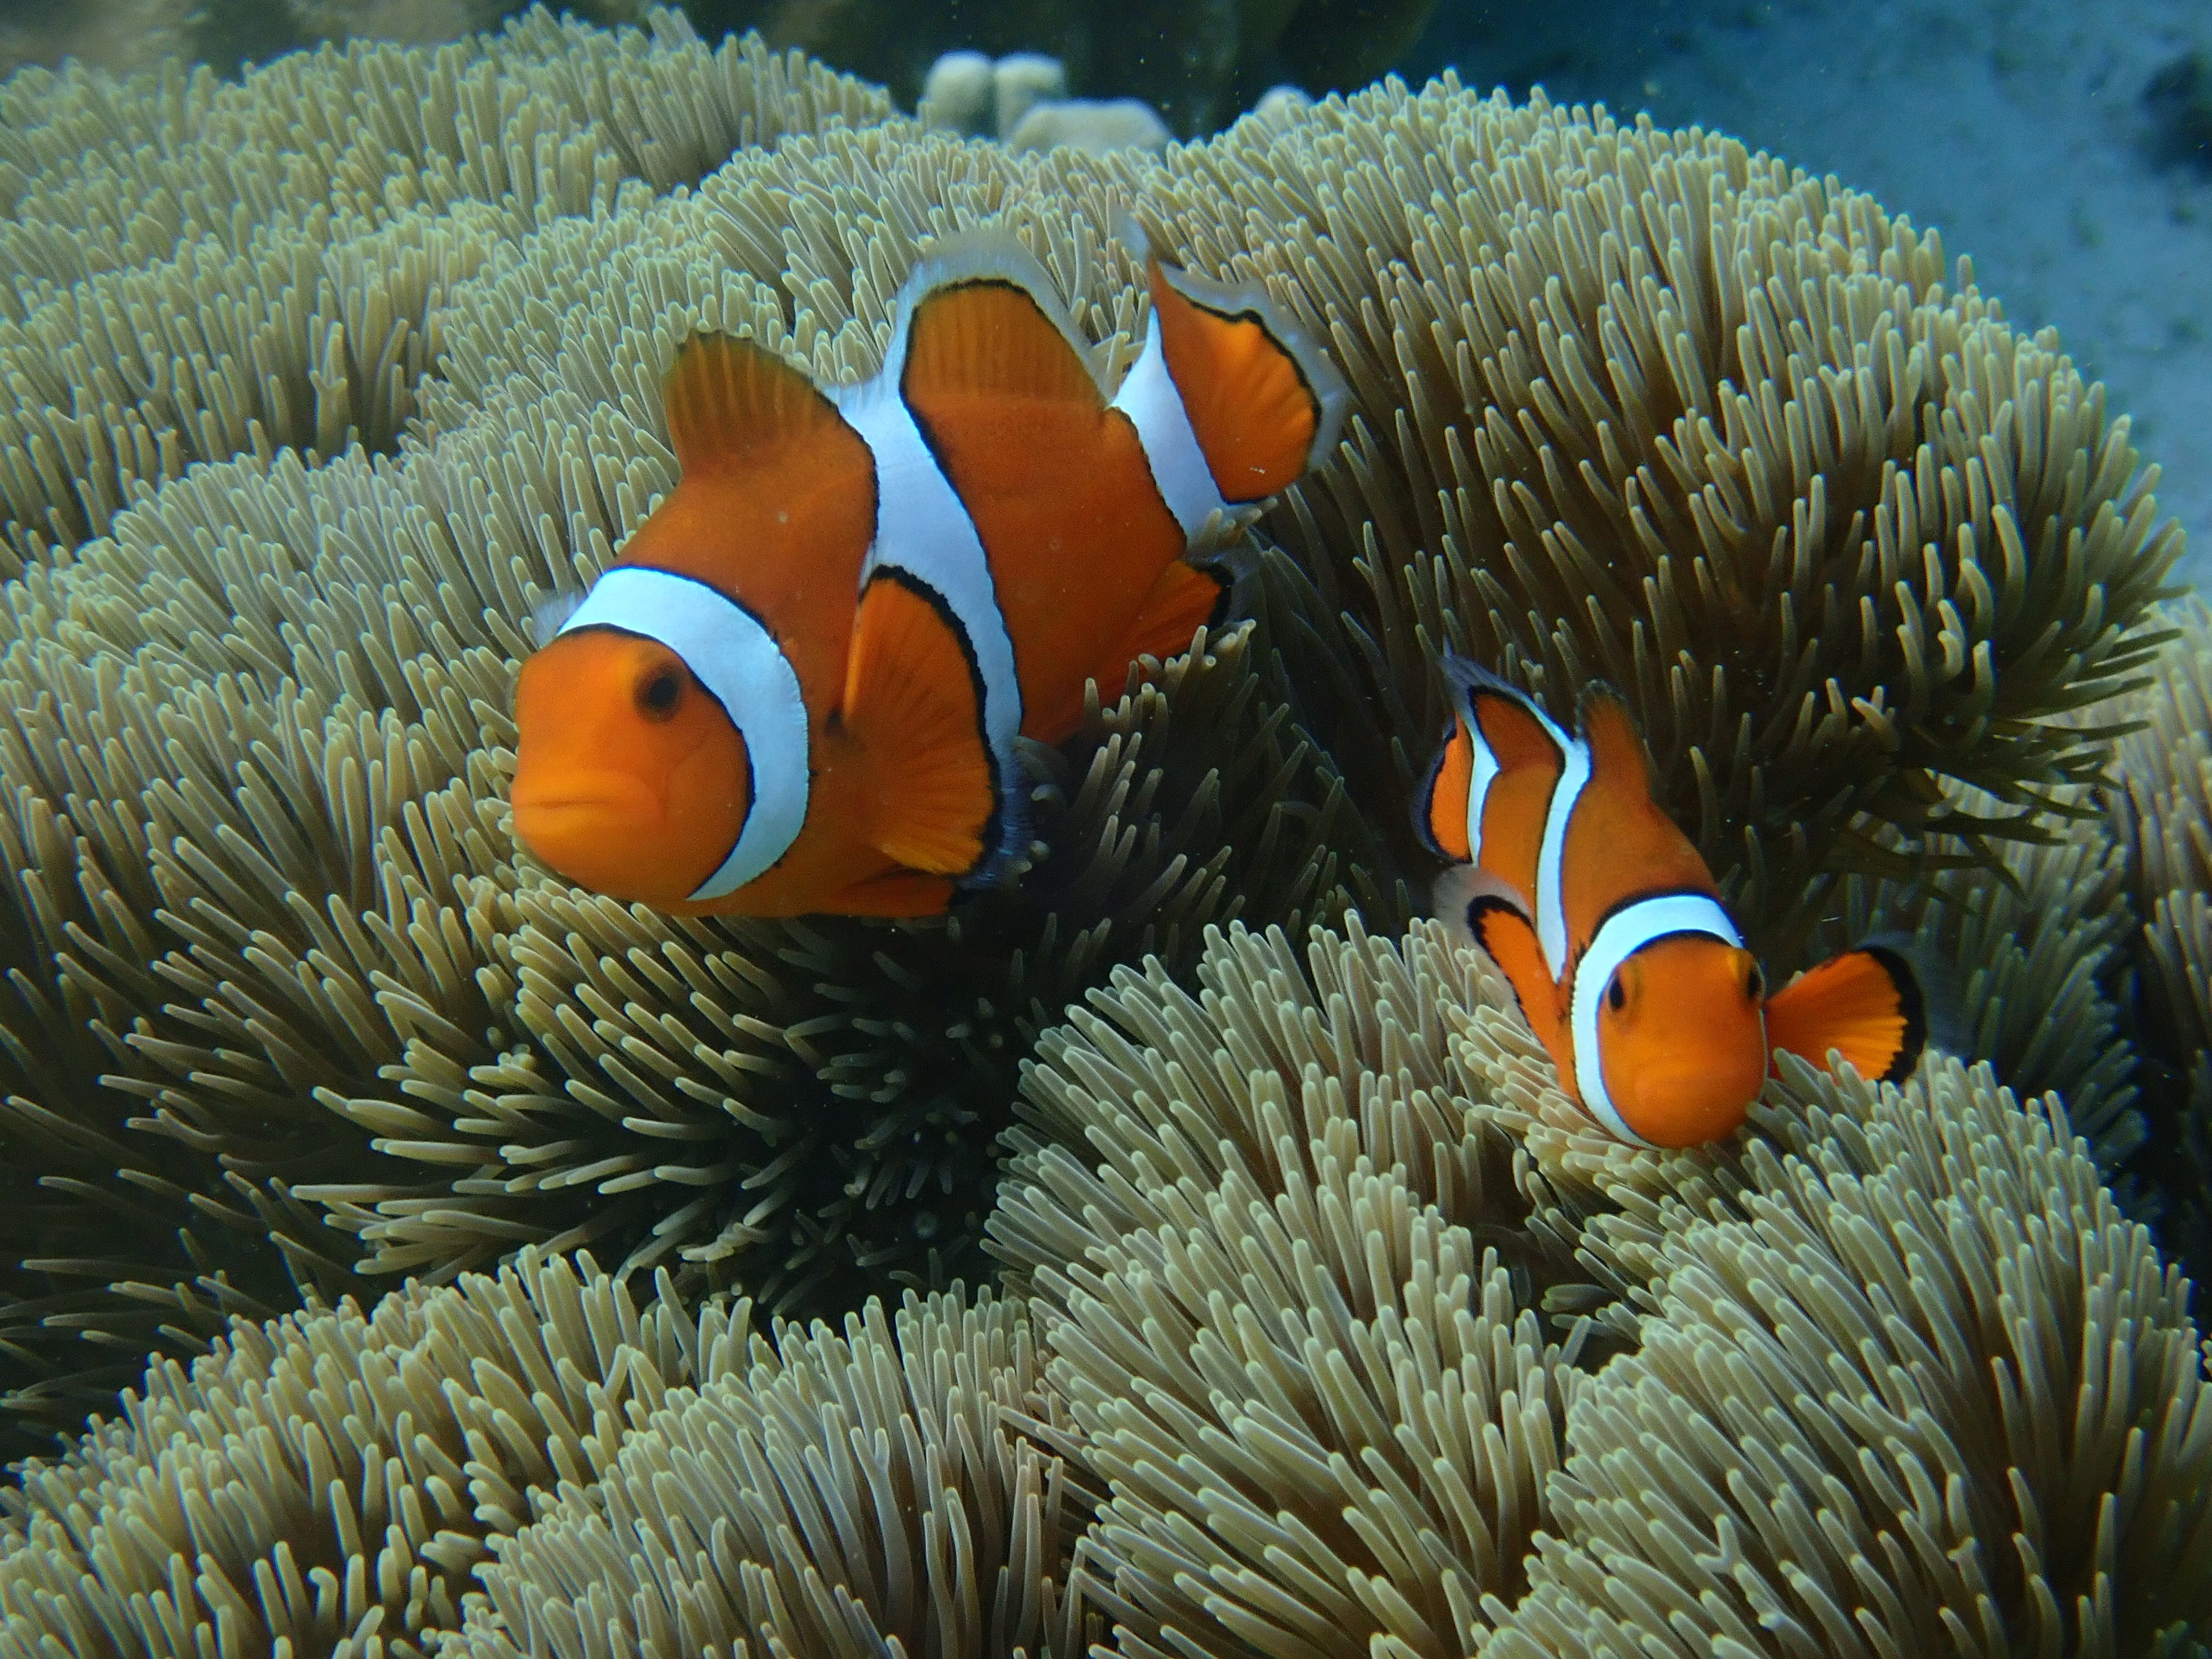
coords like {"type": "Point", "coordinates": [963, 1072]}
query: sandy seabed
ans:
{"type": "Point", "coordinates": [2018, 127]}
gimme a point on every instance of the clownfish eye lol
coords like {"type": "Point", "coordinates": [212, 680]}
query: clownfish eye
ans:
{"type": "Point", "coordinates": [1616, 994]}
{"type": "Point", "coordinates": [658, 694]}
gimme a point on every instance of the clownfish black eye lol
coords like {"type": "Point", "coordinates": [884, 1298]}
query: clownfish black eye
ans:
{"type": "Point", "coordinates": [658, 694]}
{"type": "Point", "coordinates": [1616, 998]}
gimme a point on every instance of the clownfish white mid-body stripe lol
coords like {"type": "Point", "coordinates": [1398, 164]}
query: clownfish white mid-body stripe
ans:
{"type": "Point", "coordinates": [1550, 854]}
{"type": "Point", "coordinates": [739, 662]}
{"type": "Point", "coordinates": [1619, 937]}
{"type": "Point", "coordinates": [1148, 397]}
{"type": "Point", "coordinates": [924, 529]}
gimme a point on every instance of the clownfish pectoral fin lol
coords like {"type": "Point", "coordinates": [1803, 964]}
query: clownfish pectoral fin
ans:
{"type": "Point", "coordinates": [1868, 1004]}
{"type": "Point", "coordinates": [913, 704]}
{"type": "Point", "coordinates": [979, 318]}
{"type": "Point", "coordinates": [732, 402]}
{"type": "Point", "coordinates": [1264, 402]}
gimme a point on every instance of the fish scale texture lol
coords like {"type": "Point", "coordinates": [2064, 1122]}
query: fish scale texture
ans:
{"type": "Point", "coordinates": [1869, 565]}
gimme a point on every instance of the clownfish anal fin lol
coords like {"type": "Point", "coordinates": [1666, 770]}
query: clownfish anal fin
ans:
{"type": "Point", "coordinates": [895, 893]}
{"type": "Point", "coordinates": [1182, 600]}
{"type": "Point", "coordinates": [731, 403]}
{"type": "Point", "coordinates": [1478, 909]}
{"type": "Point", "coordinates": [982, 334]}
{"type": "Point", "coordinates": [1867, 1003]}
{"type": "Point", "coordinates": [1264, 402]}
{"type": "Point", "coordinates": [914, 701]}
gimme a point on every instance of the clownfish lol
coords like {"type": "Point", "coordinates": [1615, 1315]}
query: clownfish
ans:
{"type": "Point", "coordinates": [798, 687]}
{"type": "Point", "coordinates": [1608, 925]}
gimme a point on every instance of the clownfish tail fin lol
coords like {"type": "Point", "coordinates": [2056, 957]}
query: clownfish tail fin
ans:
{"type": "Point", "coordinates": [1944, 1025]}
{"type": "Point", "coordinates": [1263, 400]}
{"type": "Point", "coordinates": [1470, 681]}
{"type": "Point", "coordinates": [1440, 798]}
{"type": "Point", "coordinates": [1879, 1005]}
{"type": "Point", "coordinates": [1479, 908]}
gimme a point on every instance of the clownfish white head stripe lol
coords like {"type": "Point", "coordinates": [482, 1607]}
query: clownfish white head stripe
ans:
{"type": "Point", "coordinates": [547, 616]}
{"type": "Point", "coordinates": [737, 662]}
{"type": "Point", "coordinates": [1628, 930]}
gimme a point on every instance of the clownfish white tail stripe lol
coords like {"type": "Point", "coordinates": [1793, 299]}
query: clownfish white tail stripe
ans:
{"type": "Point", "coordinates": [1621, 936]}
{"type": "Point", "coordinates": [738, 661]}
{"type": "Point", "coordinates": [1468, 681]}
{"type": "Point", "coordinates": [1148, 397]}
{"type": "Point", "coordinates": [1230, 399]}
{"type": "Point", "coordinates": [1242, 392]}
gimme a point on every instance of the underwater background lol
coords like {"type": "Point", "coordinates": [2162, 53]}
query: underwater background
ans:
{"type": "Point", "coordinates": [1183, 1250]}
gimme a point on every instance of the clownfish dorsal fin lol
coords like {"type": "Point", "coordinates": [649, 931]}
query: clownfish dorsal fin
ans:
{"type": "Point", "coordinates": [733, 404]}
{"type": "Point", "coordinates": [914, 702]}
{"type": "Point", "coordinates": [1516, 729]}
{"type": "Point", "coordinates": [1618, 757]}
{"type": "Point", "coordinates": [1264, 402]}
{"type": "Point", "coordinates": [1869, 1004]}
{"type": "Point", "coordinates": [979, 317]}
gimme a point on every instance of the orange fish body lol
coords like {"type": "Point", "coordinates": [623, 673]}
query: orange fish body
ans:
{"type": "Point", "coordinates": [1610, 928]}
{"type": "Point", "coordinates": [798, 687]}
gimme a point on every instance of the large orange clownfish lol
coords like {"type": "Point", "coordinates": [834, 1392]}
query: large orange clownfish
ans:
{"type": "Point", "coordinates": [1608, 924]}
{"type": "Point", "coordinates": [798, 687]}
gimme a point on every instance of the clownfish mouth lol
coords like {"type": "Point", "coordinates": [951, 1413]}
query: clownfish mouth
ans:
{"type": "Point", "coordinates": [1687, 1104]}
{"type": "Point", "coordinates": [588, 828]}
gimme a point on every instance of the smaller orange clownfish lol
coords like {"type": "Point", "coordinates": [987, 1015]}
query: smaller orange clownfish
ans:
{"type": "Point", "coordinates": [1608, 924]}
{"type": "Point", "coordinates": [797, 688]}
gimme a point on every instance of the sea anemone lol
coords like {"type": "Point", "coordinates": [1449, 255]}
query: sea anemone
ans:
{"type": "Point", "coordinates": [324, 1484]}
{"type": "Point", "coordinates": [1888, 1370]}
{"type": "Point", "coordinates": [1631, 402]}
